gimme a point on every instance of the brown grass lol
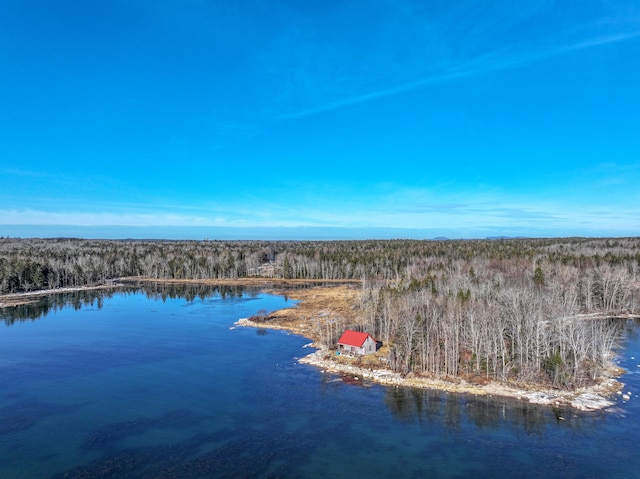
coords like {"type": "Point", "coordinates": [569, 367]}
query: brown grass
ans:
{"type": "Point", "coordinates": [318, 301]}
{"type": "Point", "coordinates": [317, 304]}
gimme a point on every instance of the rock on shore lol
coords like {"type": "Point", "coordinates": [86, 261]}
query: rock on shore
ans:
{"type": "Point", "coordinates": [591, 402]}
{"type": "Point", "coordinates": [588, 399]}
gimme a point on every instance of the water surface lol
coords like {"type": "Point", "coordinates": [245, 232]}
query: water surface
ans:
{"type": "Point", "coordinates": [158, 385]}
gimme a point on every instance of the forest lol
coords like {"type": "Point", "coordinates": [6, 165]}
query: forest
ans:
{"type": "Point", "coordinates": [520, 311]}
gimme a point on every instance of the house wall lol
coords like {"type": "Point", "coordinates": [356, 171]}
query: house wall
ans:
{"type": "Point", "coordinates": [345, 348]}
{"type": "Point", "coordinates": [369, 347]}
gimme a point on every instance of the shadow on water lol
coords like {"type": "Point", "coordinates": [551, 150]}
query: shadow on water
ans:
{"type": "Point", "coordinates": [279, 416]}
{"type": "Point", "coordinates": [94, 298]}
{"type": "Point", "coordinates": [484, 412]}
{"type": "Point", "coordinates": [632, 329]}
{"type": "Point", "coordinates": [191, 291]}
{"type": "Point", "coordinates": [54, 302]}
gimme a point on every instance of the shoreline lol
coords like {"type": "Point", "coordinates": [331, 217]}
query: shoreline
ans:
{"type": "Point", "coordinates": [590, 398]}
{"type": "Point", "coordinates": [28, 297]}
{"type": "Point", "coordinates": [268, 284]}
{"type": "Point", "coordinates": [330, 298]}
{"type": "Point", "coordinates": [597, 397]}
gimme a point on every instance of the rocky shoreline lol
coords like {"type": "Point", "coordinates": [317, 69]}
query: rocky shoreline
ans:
{"type": "Point", "coordinates": [592, 398]}
{"type": "Point", "coordinates": [316, 302]}
{"type": "Point", "coordinates": [585, 399]}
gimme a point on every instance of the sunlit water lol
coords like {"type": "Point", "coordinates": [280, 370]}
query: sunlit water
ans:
{"type": "Point", "coordinates": [139, 386]}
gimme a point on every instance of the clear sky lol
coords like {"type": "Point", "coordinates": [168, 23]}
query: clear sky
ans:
{"type": "Point", "coordinates": [294, 119]}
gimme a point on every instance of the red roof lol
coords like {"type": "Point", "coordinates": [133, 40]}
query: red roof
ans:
{"type": "Point", "coordinates": [354, 338]}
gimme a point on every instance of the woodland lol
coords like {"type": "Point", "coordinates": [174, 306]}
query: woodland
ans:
{"type": "Point", "coordinates": [519, 311]}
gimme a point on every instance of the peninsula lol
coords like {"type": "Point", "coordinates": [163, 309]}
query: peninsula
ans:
{"type": "Point", "coordinates": [538, 319]}
{"type": "Point", "coordinates": [319, 308]}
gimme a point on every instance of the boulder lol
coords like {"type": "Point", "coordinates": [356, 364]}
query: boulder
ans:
{"type": "Point", "coordinates": [591, 402]}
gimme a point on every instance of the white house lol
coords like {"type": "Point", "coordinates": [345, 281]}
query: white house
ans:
{"type": "Point", "coordinates": [356, 343]}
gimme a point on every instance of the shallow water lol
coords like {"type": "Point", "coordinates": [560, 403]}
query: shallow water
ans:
{"type": "Point", "coordinates": [158, 386]}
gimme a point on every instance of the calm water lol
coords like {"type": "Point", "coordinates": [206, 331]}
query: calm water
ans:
{"type": "Point", "coordinates": [137, 385]}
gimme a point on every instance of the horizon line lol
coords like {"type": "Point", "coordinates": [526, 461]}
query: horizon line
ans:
{"type": "Point", "coordinates": [266, 233]}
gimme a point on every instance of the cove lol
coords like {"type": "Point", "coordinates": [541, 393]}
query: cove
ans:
{"type": "Point", "coordinates": [154, 383]}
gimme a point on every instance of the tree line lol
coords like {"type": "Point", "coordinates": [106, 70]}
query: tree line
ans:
{"type": "Point", "coordinates": [506, 309]}
{"type": "Point", "coordinates": [499, 325]}
{"type": "Point", "coordinates": [35, 264]}
{"type": "Point", "coordinates": [516, 314]}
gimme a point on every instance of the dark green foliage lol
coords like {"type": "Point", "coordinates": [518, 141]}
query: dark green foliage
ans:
{"type": "Point", "coordinates": [553, 366]}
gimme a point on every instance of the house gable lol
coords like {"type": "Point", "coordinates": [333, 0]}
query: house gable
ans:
{"type": "Point", "coordinates": [356, 342]}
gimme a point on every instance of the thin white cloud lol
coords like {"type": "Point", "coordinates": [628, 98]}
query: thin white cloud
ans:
{"type": "Point", "coordinates": [24, 173]}
{"type": "Point", "coordinates": [40, 217]}
{"type": "Point", "coordinates": [376, 95]}
{"type": "Point", "coordinates": [408, 210]}
{"type": "Point", "coordinates": [496, 60]}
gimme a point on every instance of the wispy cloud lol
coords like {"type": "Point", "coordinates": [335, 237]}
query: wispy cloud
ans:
{"type": "Point", "coordinates": [598, 41]}
{"type": "Point", "coordinates": [18, 173]}
{"type": "Point", "coordinates": [398, 89]}
{"type": "Point", "coordinates": [472, 213]}
{"type": "Point", "coordinates": [40, 217]}
{"type": "Point", "coordinates": [495, 57]}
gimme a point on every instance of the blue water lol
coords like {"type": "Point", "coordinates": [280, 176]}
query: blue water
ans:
{"type": "Point", "coordinates": [143, 386]}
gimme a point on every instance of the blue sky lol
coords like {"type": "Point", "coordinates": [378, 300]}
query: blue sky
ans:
{"type": "Point", "coordinates": [291, 119]}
